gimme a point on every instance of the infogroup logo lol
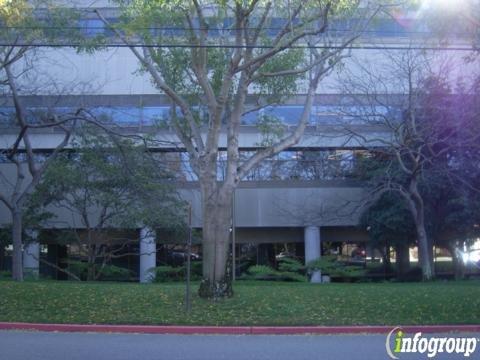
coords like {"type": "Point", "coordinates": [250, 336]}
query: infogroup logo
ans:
{"type": "Point", "coordinates": [431, 346]}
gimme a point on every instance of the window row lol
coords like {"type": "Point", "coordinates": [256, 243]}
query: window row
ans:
{"type": "Point", "coordinates": [386, 27]}
{"type": "Point", "coordinates": [151, 115]}
{"type": "Point", "coordinates": [287, 165]}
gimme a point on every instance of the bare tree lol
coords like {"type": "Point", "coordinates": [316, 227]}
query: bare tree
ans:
{"type": "Point", "coordinates": [407, 97]}
{"type": "Point", "coordinates": [25, 25]}
{"type": "Point", "coordinates": [18, 47]}
{"type": "Point", "coordinates": [207, 58]}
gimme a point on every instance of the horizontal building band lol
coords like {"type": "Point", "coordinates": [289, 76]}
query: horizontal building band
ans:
{"type": "Point", "coordinates": [151, 115]}
{"type": "Point", "coordinates": [149, 100]}
{"type": "Point", "coordinates": [276, 204]}
{"type": "Point", "coordinates": [315, 137]}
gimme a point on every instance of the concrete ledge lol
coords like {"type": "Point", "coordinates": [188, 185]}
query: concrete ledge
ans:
{"type": "Point", "coordinates": [235, 330]}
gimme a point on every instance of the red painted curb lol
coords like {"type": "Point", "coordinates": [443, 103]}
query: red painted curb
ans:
{"type": "Point", "coordinates": [235, 330]}
{"type": "Point", "coordinates": [291, 330]}
{"type": "Point", "coordinates": [362, 329]}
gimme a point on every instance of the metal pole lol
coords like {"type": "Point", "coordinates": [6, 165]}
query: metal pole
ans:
{"type": "Point", "coordinates": [233, 237]}
{"type": "Point", "coordinates": [189, 250]}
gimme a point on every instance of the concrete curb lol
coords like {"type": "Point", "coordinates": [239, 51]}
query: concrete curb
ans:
{"type": "Point", "coordinates": [235, 330]}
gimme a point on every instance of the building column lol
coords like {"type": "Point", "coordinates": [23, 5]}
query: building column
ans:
{"type": "Point", "coordinates": [312, 249]}
{"type": "Point", "coordinates": [148, 254]}
{"type": "Point", "coordinates": [31, 256]}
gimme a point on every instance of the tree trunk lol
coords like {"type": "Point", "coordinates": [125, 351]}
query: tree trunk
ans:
{"type": "Point", "coordinates": [17, 256]}
{"type": "Point", "coordinates": [431, 253]}
{"type": "Point", "coordinates": [403, 259]}
{"type": "Point", "coordinates": [458, 268]}
{"type": "Point", "coordinates": [418, 211]}
{"type": "Point", "coordinates": [217, 203]}
{"type": "Point", "coordinates": [424, 252]}
{"type": "Point", "coordinates": [385, 251]}
{"type": "Point", "coordinates": [386, 256]}
{"type": "Point", "coordinates": [91, 275]}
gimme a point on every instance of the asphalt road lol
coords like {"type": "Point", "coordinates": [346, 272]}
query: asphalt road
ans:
{"type": "Point", "coordinates": [20, 345]}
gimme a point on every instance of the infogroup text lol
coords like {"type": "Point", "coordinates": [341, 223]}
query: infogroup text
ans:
{"type": "Point", "coordinates": [431, 346]}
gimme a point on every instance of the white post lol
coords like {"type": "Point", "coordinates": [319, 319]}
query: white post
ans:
{"type": "Point", "coordinates": [312, 249]}
{"type": "Point", "coordinates": [148, 254]}
{"type": "Point", "coordinates": [31, 256]}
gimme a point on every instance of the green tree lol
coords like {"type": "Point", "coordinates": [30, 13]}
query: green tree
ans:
{"type": "Point", "coordinates": [390, 223]}
{"type": "Point", "coordinates": [106, 183]}
{"type": "Point", "coordinates": [453, 205]}
{"type": "Point", "coordinates": [208, 59]}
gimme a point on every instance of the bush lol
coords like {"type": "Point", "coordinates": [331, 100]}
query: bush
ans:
{"type": "Point", "coordinates": [261, 272]}
{"type": "Point", "coordinates": [78, 268]}
{"type": "Point", "coordinates": [5, 275]}
{"type": "Point", "coordinates": [264, 272]}
{"type": "Point", "coordinates": [196, 270]}
{"type": "Point", "coordinates": [29, 274]}
{"type": "Point", "coordinates": [115, 273]}
{"type": "Point", "coordinates": [108, 273]}
{"type": "Point", "coordinates": [167, 273]}
{"type": "Point", "coordinates": [291, 276]}
{"type": "Point", "coordinates": [413, 274]}
{"type": "Point", "coordinates": [329, 265]}
{"type": "Point", "coordinates": [380, 269]}
{"type": "Point", "coordinates": [287, 264]}
{"type": "Point", "coordinates": [291, 269]}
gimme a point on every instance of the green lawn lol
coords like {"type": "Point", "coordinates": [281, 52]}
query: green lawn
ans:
{"type": "Point", "coordinates": [254, 303]}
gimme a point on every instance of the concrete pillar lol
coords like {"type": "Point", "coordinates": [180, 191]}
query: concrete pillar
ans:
{"type": "Point", "coordinates": [312, 249]}
{"type": "Point", "coordinates": [31, 256]}
{"type": "Point", "coordinates": [148, 254]}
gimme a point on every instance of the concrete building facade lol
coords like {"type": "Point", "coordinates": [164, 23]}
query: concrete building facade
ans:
{"type": "Point", "coordinates": [279, 203]}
